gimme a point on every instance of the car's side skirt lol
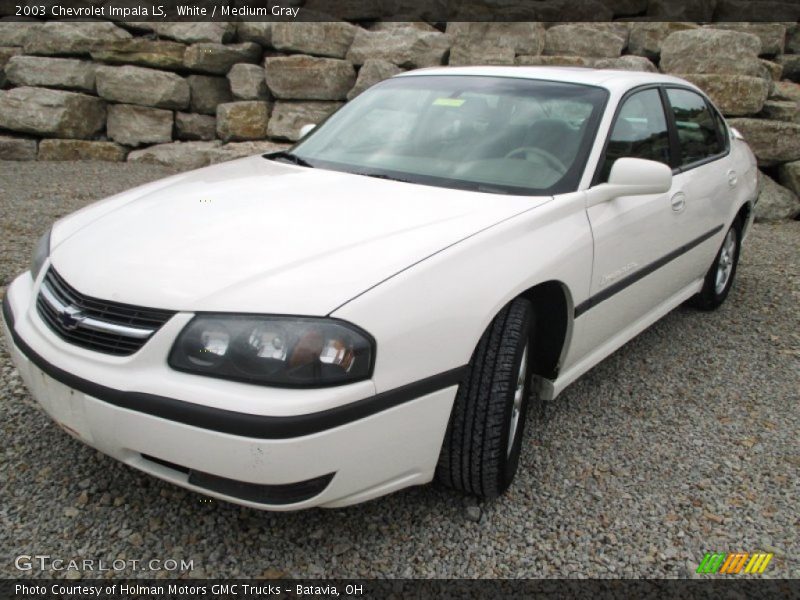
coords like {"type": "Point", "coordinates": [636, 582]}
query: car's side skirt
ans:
{"type": "Point", "coordinates": [549, 389]}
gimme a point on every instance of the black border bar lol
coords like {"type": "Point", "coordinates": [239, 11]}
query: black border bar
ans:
{"type": "Point", "coordinates": [232, 422]}
{"type": "Point", "coordinates": [433, 11]}
{"type": "Point", "coordinates": [707, 588]}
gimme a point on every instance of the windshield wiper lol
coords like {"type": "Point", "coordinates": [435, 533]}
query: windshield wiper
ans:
{"type": "Point", "coordinates": [383, 176]}
{"type": "Point", "coordinates": [292, 158]}
{"type": "Point", "coordinates": [488, 189]}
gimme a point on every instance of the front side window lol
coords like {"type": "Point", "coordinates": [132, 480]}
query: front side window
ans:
{"type": "Point", "coordinates": [640, 131]}
{"type": "Point", "coordinates": [488, 134]}
{"type": "Point", "coordinates": [697, 129]}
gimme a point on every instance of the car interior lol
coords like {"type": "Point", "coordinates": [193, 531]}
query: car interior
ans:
{"type": "Point", "coordinates": [516, 140]}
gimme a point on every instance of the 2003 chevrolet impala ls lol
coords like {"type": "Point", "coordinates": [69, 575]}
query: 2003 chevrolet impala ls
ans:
{"type": "Point", "coordinates": [377, 307]}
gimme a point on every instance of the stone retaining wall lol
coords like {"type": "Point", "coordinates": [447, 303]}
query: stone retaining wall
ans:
{"type": "Point", "coordinates": [191, 94]}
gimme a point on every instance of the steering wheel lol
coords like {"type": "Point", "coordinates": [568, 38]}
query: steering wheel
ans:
{"type": "Point", "coordinates": [553, 161]}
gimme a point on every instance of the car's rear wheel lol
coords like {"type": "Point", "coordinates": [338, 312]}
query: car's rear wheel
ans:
{"type": "Point", "coordinates": [482, 445]}
{"type": "Point", "coordinates": [719, 279]}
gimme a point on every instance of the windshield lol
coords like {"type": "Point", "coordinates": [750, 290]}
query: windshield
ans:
{"type": "Point", "coordinates": [489, 134]}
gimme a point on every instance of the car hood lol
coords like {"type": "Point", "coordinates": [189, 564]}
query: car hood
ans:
{"type": "Point", "coordinates": [254, 235]}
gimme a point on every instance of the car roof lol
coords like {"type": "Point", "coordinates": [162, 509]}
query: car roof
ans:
{"type": "Point", "coordinates": [612, 79]}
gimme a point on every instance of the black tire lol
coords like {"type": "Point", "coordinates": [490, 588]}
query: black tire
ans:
{"type": "Point", "coordinates": [475, 456]}
{"type": "Point", "coordinates": [710, 298]}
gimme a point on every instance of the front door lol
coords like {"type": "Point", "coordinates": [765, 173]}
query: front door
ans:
{"type": "Point", "coordinates": [634, 236]}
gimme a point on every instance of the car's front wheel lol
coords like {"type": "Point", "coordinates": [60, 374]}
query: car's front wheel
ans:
{"type": "Point", "coordinates": [482, 445]}
{"type": "Point", "coordinates": [719, 278]}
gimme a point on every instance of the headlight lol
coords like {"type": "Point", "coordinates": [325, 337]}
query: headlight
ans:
{"type": "Point", "coordinates": [40, 254]}
{"type": "Point", "coordinates": [278, 351]}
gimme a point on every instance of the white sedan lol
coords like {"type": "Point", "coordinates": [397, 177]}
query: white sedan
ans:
{"type": "Point", "coordinates": [377, 307]}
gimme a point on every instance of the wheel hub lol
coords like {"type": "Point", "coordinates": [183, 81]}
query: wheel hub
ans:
{"type": "Point", "coordinates": [519, 396]}
{"type": "Point", "coordinates": [725, 263]}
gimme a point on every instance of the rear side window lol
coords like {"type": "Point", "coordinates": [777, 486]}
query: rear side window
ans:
{"type": "Point", "coordinates": [640, 131]}
{"type": "Point", "coordinates": [697, 128]}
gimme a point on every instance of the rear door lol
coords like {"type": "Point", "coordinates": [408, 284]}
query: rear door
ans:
{"type": "Point", "coordinates": [704, 175]}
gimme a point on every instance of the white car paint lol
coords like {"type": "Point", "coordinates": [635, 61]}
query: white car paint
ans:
{"type": "Point", "coordinates": [422, 269]}
{"type": "Point", "coordinates": [220, 224]}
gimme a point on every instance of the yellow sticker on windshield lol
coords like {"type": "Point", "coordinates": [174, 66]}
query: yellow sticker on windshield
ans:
{"type": "Point", "coordinates": [448, 102]}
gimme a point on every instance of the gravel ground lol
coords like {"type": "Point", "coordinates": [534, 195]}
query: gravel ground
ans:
{"type": "Point", "coordinates": [683, 442]}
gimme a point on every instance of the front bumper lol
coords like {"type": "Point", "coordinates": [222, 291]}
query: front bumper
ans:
{"type": "Point", "coordinates": [334, 449]}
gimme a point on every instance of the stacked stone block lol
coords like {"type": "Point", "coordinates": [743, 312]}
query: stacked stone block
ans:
{"type": "Point", "coordinates": [191, 94]}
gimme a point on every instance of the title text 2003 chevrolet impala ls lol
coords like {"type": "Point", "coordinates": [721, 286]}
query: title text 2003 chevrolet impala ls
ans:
{"type": "Point", "coordinates": [375, 308]}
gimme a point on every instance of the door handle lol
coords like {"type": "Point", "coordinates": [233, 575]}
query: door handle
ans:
{"type": "Point", "coordinates": [732, 179]}
{"type": "Point", "coordinates": [678, 201]}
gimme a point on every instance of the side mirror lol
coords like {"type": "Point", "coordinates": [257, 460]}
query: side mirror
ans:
{"type": "Point", "coordinates": [306, 129]}
{"type": "Point", "coordinates": [632, 177]}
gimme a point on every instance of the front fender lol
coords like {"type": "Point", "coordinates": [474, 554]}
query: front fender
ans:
{"type": "Point", "coordinates": [428, 319]}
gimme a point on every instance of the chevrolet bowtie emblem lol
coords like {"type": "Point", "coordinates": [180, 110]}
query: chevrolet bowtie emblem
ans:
{"type": "Point", "coordinates": [70, 318]}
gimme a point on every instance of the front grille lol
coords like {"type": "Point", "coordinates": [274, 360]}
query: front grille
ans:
{"type": "Point", "coordinates": [100, 325]}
